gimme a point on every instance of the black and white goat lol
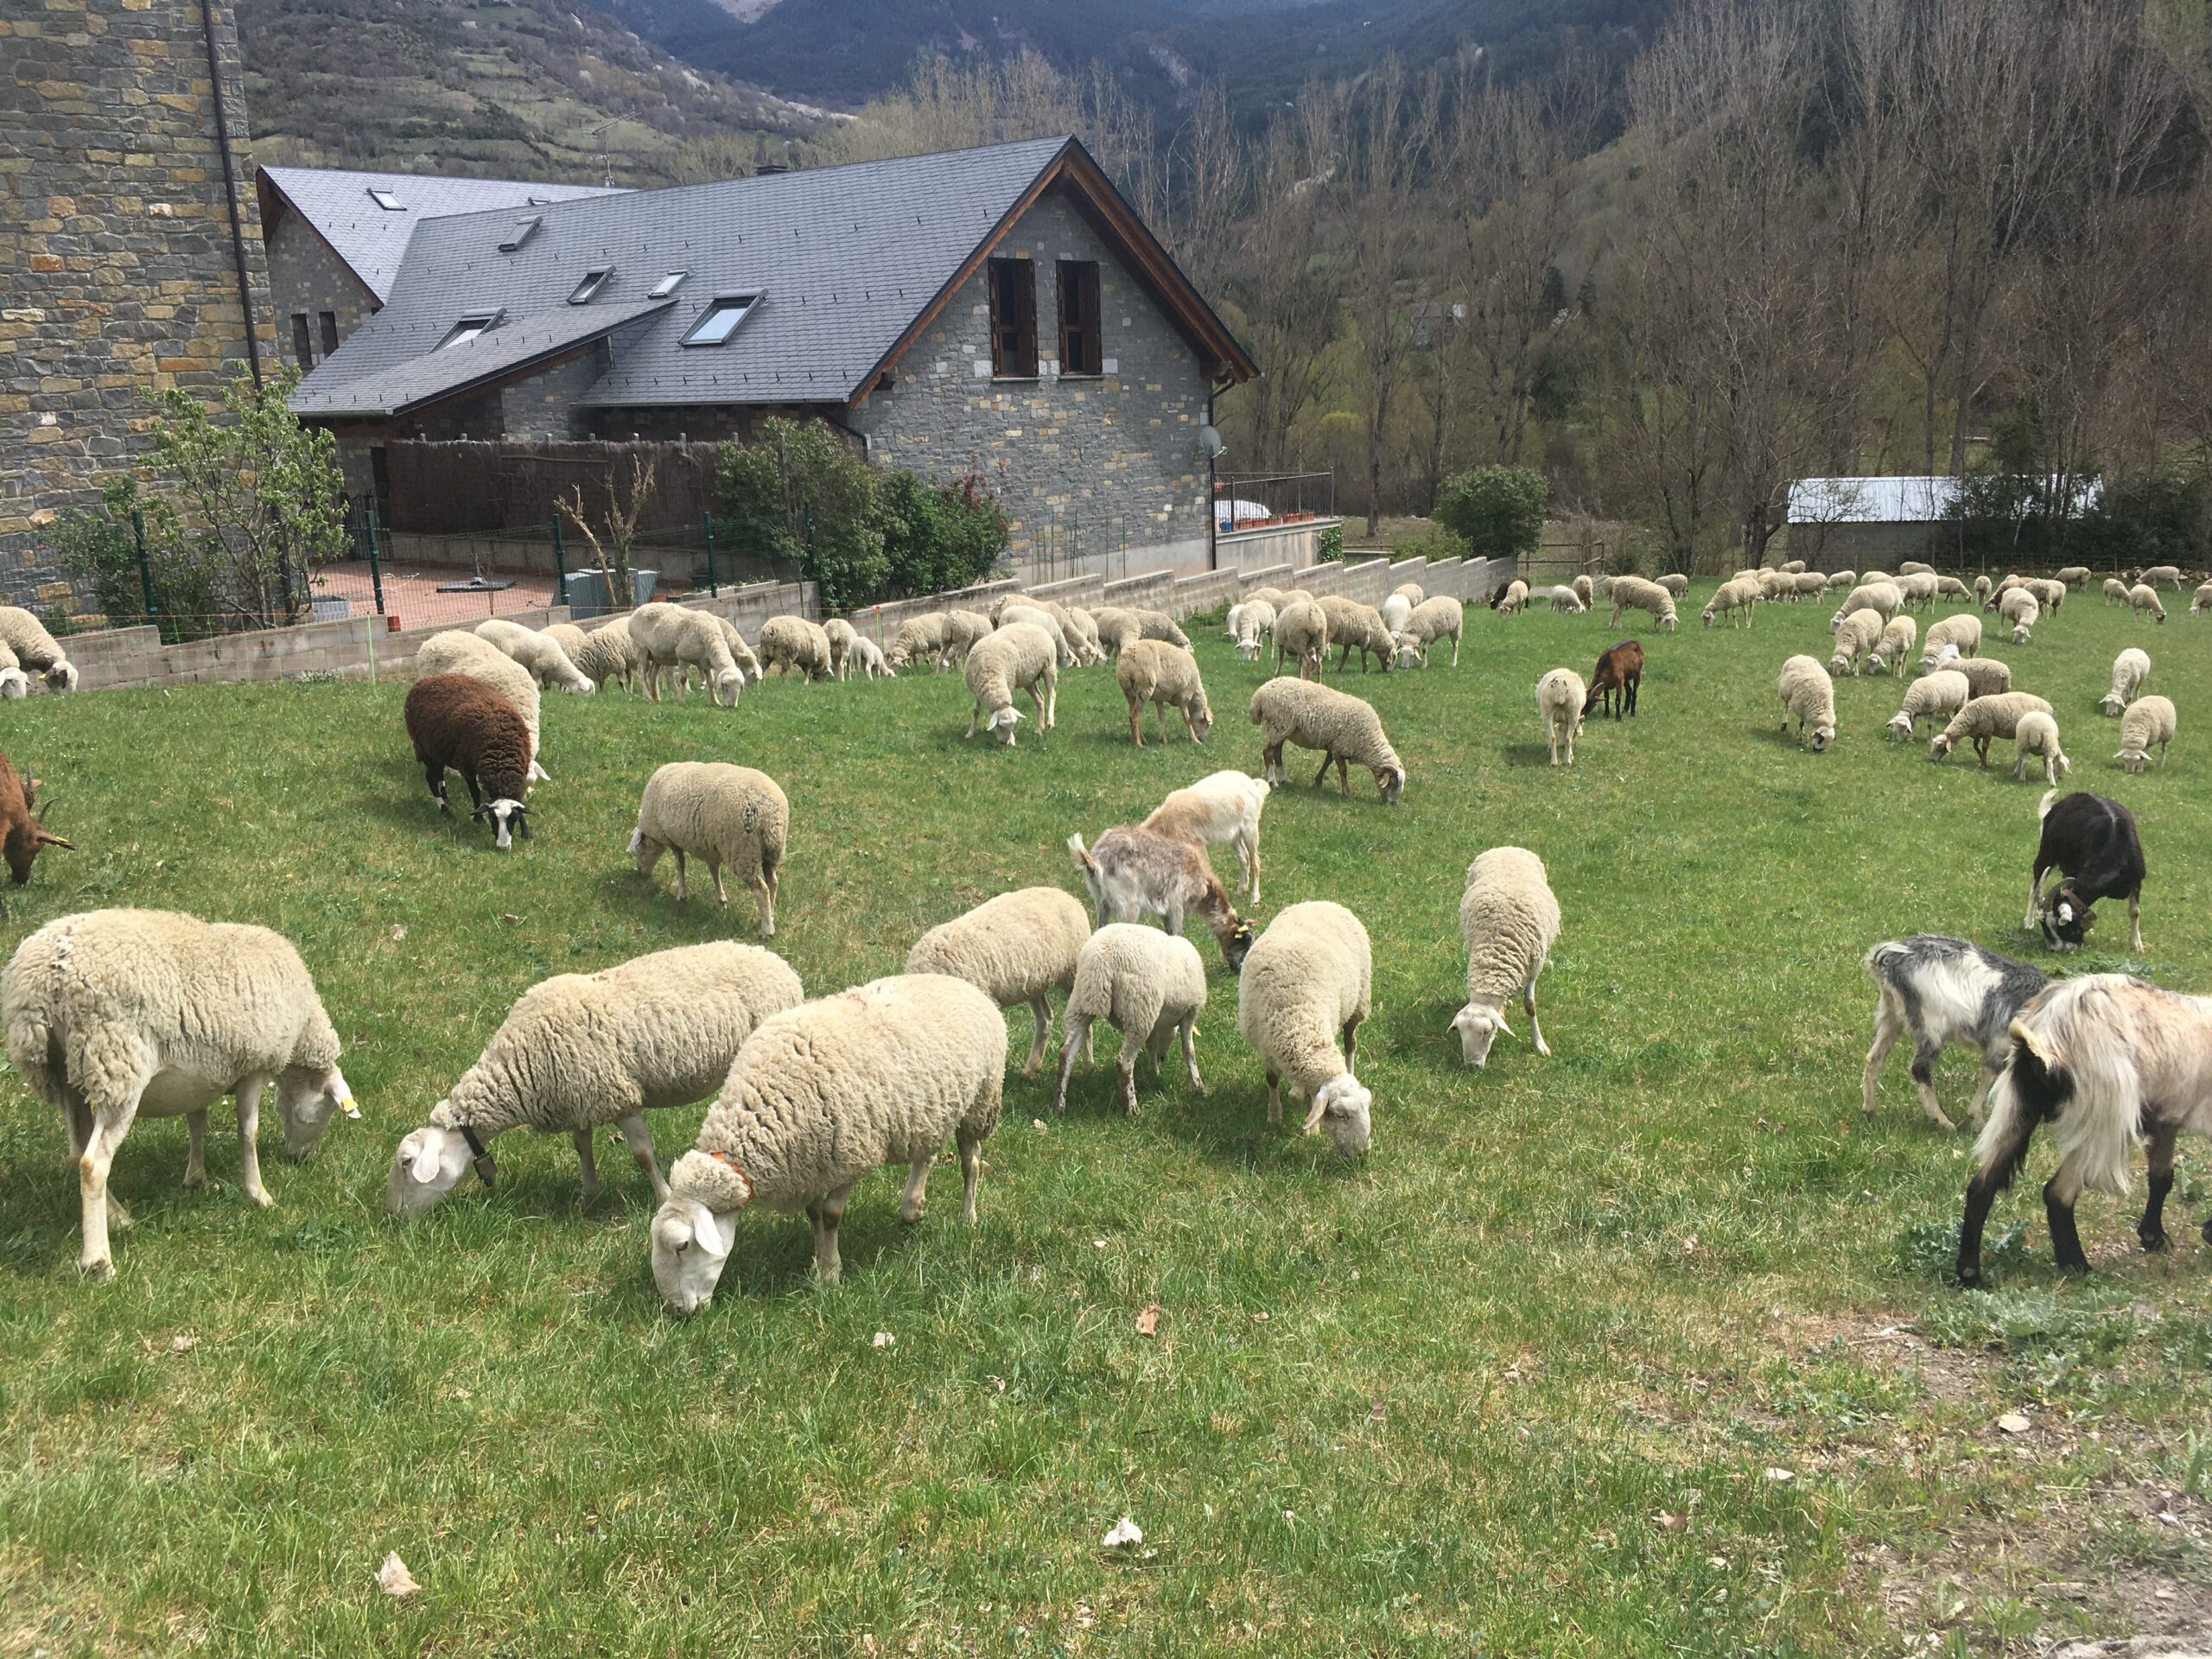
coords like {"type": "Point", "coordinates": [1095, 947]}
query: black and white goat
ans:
{"type": "Point", "coordinates": [1945, 990]}
{"type": "Point", "coordinates": [2090, 840]}
{"type": "Point", "coordinates": [2106, 1059]}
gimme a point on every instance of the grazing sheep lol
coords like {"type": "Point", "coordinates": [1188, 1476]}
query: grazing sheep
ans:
{"type": "Point", "coordinates": [2092, 841]}
{"type": "Point", "coordinates": [2116, 591]}
{"type": "Point", "coordinates": [740, 653]}
{"type": "Point", "coordinates": [1158, 624]}
{"type": "Point", "coordinates": [2107, 1060]}
{"type": "Point", "coordinates": [1885, 599]}
{"type": "Point", "coordinates": [2023, 610]}
{"type": "Point", "coordinates": [1509, 921]}
{"type": "Point", "coordinates": [455, 652]}
{"type": "Point", "coordinates": [606, 653]}
{"type": "Point", "coordinates": [2037, 737]}
{"type": "Point", "coordinates": [819, 1096]}
{"type": "Point", "coordinates": [542, 654]}
{"type": "Point", "coordinates": [1221, 807]}
{"type": "Point", "coordinates": [1512, 599]}
{"type": "Point", "coordinates": [1855, 636]}
{"type": "Point", "coordinates": [1961, 632]}
{"type": "Point", "coordinates": [1037, 616]}
{"type": "Point", "coordinates": [1944, 990]}
{"type": "Point", "coordinates": [1995, 596]}
{"type": "Point", "coordinates": [26, 835]}
{"type": "Point", "coordinates": [1985, 719]}
{"type": "Point", "coordinates": [1807, 695]}
{"type": "Point", "coordinates": [1134, 872]}
{"type": "Point", "coordinates": [1985, 675]}
{"type": "Point", "coordinates": [674, 638]}
{"type": "Point", "coordinates": [1354, 627]}
{"type": "Point", "coordinates": [116, 1015]}
{"type": "Point", "coordinates": [1411, 592]}
{"type": "Point", "coordinates": [1567, 601]}
{"type": "Point", "coordinates": [1634, 593]}
{"type": "Point", "coordinates": [724, 814]}
{"type": "Point", "coordinates": [1013, 948]}
{"type": "Point", "coordinates": [923, 639]}
{"type": "Point", "coordinates": [1898, 639]}
{"type": "Point", "coordinates": [2145, 722]}
{"type": "Point", "coordinates": [1982, 588]}
{"type": "Point", "coordinates": [960, 631]}
{"type": "Point", "coordinates": [1793, 567]}
{"type": "Point", "coordinates": [1620, 673]}
{"type": "Point", "coordinates": [869, 656]}
{"type": "Point", "coordinates": [15, 684]}
{"type": "Point", "coordinates": [579, 1051]}
{"type": "Point", "coordinates": [1394, 610]}
{"type": "Point", "coordinates": [1560, 698]}
{"type": "Point", "coordinates": [1302, 634]}
{"type": "Point", "coordinates": [2163, 575]}
{"type": "Point", "coordinates": [1441, 618]}
{"type": "Point", "coordinates": [841, 635]}
{"type": "Point", "coordinates": [1307, 988]}
{"type": "Point", "coordinates": [2129, 669]}
{"type": "Point", "coordinates": [1085, 634]}
{"type": "Point", "coordinates": [34, 648]}
{"type": "Point", "coordinates": [2074, 576]}
{"type": "Point", "coordinates": [2197, 607]}
{"type": "Point", "coordinates": [1846, 580]}
{"type": "Point", "coordinates": [792, 645]}
{"type": "Point", "coordinates": [1255, 621]}
{"type": "Point", "coordinates": [1277, 597]}
{"type": "Point", "coordinates": [461, 725]}
{"type": "Point", "coordinates": [1918, 588]}
{"type": "Point", "coordinates": [2143, 598]}
{"type": "Point", "coordinates": [1151, 670]}
{"type": "Point", "coordinates": [1952, 588]}
{"type": "Point", "coordinates": [1316, 716]}
{"type": "Point", "coordinates": [1021, 658]}
{"type": "Point", "coordinates": [1675, 584]}
{"type": "Point", "coordinates": [1932, 696]}
{"type": "Point", "coordinates": [1117, 629]}
{"type": "Point", "coordinates": [1584, 590]}
{"type": "Point", "coordinates": [1733, 600]}
{"type": "Point", "coordinates": [1148, 986]}
{"type": "Point", "coordinates": [2050, 594]}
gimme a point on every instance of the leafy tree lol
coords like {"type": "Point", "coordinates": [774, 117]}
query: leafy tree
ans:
{"type": "Point", "coordinates": [2156, 517]}
{"type": "Point", "coordinates": [938, 537]}
{"type": "Point", "coordinates": [799, 495]}
{"type": "Point", "coordinates": [102, 546]}
{"type": "Point", "coordinates": [1497, 511]}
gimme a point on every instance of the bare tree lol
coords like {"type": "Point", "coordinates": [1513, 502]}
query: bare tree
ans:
{"type": "Point", "coordinates": [612, 556]}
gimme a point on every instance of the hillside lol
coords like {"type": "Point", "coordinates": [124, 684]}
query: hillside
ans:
{"type": "Point", "coordinates": [487, 87]}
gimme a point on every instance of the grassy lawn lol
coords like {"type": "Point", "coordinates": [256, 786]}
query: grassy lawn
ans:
{"type": "Point", "coordinates": [1646, 1348]}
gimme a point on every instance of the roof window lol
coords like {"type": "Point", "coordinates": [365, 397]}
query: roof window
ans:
{"type": "Point", "coordinates": [668, 285]}
{"type": "Point", "coordinates": [386, 200]}
{"type": "Point", "coordinates": [469, 328]}
{"type": "Point", "coordinates": [522, 231]}
{"type": "Point", "coordinates": [594, 281]}
{"type": "Point", "coordinates": [720, 322]}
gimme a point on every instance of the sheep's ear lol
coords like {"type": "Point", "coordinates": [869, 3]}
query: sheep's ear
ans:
{"type": "Point", "coordinates": [424, 1165]}
{"type": "Point", "coordinates": [1313, 1112]}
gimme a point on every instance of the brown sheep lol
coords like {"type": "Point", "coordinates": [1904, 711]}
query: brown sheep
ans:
{"type": "Point", "coordinates": [461, 724]}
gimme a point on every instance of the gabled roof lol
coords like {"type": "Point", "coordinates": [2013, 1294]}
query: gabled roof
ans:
{"type": "Point", "coordinates": [370, 239]}
{"type": "Point", "coordinates": [850, 263]}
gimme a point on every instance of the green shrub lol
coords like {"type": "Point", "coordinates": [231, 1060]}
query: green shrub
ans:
{"type": "Point", "coordinates": [101, 547]}
{"type": "Point", "coordinates": [2156, 517]}
{"type": "Point", "coordinates": [1431, 544]}
{"type": "Point", "coordinates": [936, 538]}
{"type": "Point", "coordinates": [1498, 511]}
{"type": "Point", "coordinates": [1332, 545]}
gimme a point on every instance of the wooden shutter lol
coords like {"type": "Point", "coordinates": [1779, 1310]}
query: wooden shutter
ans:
{"type": "Point", "coordinates": [1080, 351]}
{"type": "Point", "coordinates": [1013, 317]}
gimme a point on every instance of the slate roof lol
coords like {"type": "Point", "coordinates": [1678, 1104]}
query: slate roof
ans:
{"type": "Point", "coordinates": [372, 240]}
{"type": "Point", "coordinates": [845, 261]}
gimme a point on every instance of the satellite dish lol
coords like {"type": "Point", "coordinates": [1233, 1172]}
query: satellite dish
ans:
{"type": "Point", "coordinates": [1210, 443]}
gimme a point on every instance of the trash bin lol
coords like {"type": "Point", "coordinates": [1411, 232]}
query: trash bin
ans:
{"type": "Point", "coordinates": [586, 591]}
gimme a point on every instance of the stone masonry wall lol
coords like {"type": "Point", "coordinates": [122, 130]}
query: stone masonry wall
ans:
{"type": "Point", "coordinates": [115, 243]}
{"type": "Point", "coordinates": [307, 279]}
{"type": "Point", "coordinates": [1083, 466]}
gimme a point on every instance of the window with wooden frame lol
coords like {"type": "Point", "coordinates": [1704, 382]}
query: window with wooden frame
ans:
{"type": "Point", "coordinates": [1080, 350]}
{"type": "Point", "coordinates": [329, 332]}
{"type": "Point", "coordinates": [302, 343]}
{"type": "Point", "coordinates": [1013, 318]}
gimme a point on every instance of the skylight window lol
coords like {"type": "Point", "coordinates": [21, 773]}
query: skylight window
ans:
{"type": "Point", "coordinates": [721, 319]}
{"type": "Point", "coordinates": [522, 231]}
{"type": "Point", "coordinates": [668, 285]}
{"type": "Point", "coordinates": [386, 200]}
{"type": "Point", "coordinates": [469, 328]}
{"type": "Point", "coordinates": [594, 281]}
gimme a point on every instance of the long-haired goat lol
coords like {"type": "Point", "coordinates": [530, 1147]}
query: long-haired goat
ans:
{"type": "Point", "coordinates": [1135, 872]}
{"type": "Point", "coordinates": [1945, 990]}
{"type": "Point", "coordinates": [2106, 1059]}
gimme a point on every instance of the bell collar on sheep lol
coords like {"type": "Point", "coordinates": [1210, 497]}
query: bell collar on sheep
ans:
{"type": "Point", "coordinates": [480, 1158]}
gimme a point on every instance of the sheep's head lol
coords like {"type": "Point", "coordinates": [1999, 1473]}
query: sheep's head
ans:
{"type": "Point", "coordinates": [428, 1165]}
{"type": "Point", "coordinates": [1201, 718]}
{"type": "Point", "coordinates": [1822, 736]}
{"type": "Point", "coordinates": [308, 1098]}
{"type": "Point", "coordinates": [506, 815]}
{"type": "Point", "coordinates": [1940, 746]}
{"type": "Point", "coordinates": [2066, 919]}
{"type": "Point", "coordinates": [728, 684]}
{"type": "Point", "coordinates": [646, 851]}
{"type": "Point", "coordinates": [1002, 720]}
{"type": "Point", "coordinates": [1391, 781]}
{"type": "Point", "coordinates": [1343, 1106]}
{"type": "Point", "coordinates": [1479, 1027]}
{"type": "Point", "coordinates": [62, 676]}
{"type": "Point", "coordinates": [690, 1245]}
{"type": "Point", "coordinates": [1900, 726]}
{"type": "Point", "coordinates": [14, 683]}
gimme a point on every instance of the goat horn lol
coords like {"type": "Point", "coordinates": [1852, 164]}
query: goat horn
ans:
{"type": "Point", "coordinates": [47, 838]}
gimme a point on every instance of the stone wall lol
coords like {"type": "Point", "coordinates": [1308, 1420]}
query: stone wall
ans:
{"type": "Point", "coordinates": [1083, 465]}
{"type": "Point", "coordinates": [115, 240]}
{"type": "Point", "coordinates": [307, 278]}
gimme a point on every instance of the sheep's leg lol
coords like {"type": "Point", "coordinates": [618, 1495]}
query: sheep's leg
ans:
{"type": "Point", "coordinates": [103, 1136]}
{"type": "Point", "coordinates": [975, 716]}
{"type": "Point", "coordinates": [1040, 1013]}
{"type": "Point", "coordinates": [1136, 723]}
{"type": "Point", "coordinates": [1352, 1041]}
{"type": "Point", "coordinates": [1125, 1069]}
{"type": "Point", "coordinates": [1889, 1026]}
{"type": "Point", "coordinates": [1551, 736]}
{"type": "Point", "coordinates": [1248, 859]}
{"type": "Point", "coordinates": [1455, 653]}
{"type": "Point", "coordinates": [652, 681]}
{"type": "Point", "coordinates": [1160, 710]}
{"type": "Point", "coordinates": [2059, 1193]}
{"type": "Point", "coordinates": [1078, 1028]}
{"type": "Point", "coordinates": [1191, 1052]}
{"type": "Point", "coordinates": [682, 887]}
{"type": "Point", "coordinates": [640, 1141]}
{"type": "Point", "coordinates": [195, 1157]}
{"type": "Point", "coordinates": [764, 886]}
{"type": "Point", "coordinates": [2135, 921]}
{"type": "Point", "coordinates": [971, 1173]}
{"type": "Point", "coordinates": [825, 1213]}
{"type": "Point", "coordinates": [911, 1200]}
{"type": "Point", "coordinates": [2151, 1229]}
{"type": "Point", "coordinates": [1274, 1097]}
{"type": "Point", "coordinates": [435, 772]}
{"type": "Point", "coordinates": [249, 1151]}
{"type": "Point", "coordinates": [582, 1139]}
{"type": "Point", "coordinates": [1535, 1033]}
{"type": "Point", "coordinates": [722, 899]}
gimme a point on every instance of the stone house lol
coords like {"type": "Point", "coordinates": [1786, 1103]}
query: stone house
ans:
{"type": "Point", "coordinates": [1001, 312]}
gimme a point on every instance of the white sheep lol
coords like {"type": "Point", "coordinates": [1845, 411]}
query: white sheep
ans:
{"type": "Point", "coordinates": [2147, 720]}
{"type": "Point", "coordinates": [1898, 638]}
{"type": "Point", "coordinates": [2116, 591]}
{"type": "Point", "coordinates": [1932, 696]}
{"type": "Point", "coordinates": [1919, 587]}
{"type": "Point", "coordinates": [1809, 694]}
{"type": "Point", "coordinates": [1411, 592]}
{"type": "Point", "coordinates": [1952, 588]}
{"type": "Point", "coordinates": [2036, 737]}
{"type": "Point", "coordinates": [818, 1096]}
{"type": "Point", "coordinates": [1961, 632]}
{"type": "Point", "coordinates": [2129, 669]}
{"type": "Point", "coordinates": [1147, 984]}
{"type": "Point", "coordinates": [1303, 635]}
{"type": "Point", "coordinates": [455, 652]}
{"type": "Point", "coordinates": [2202, 602]}
{"type": "Point", "coordinates": [1167, 676]}
{"type": "Point", "coordinates": [1037, 616]}
{"type": "Point", "coordinates": [1846, 580]}
{"type": "Point", "coordinates": [673, 638]}
{"type": "Point", "coordinates": [2145, 599]}
{"type": "Point", "coordinates": [2166, 574]}
{"type": "Point", "coordinates": [1855, 636]}
{"type": "Point", "coordinates": [1508, 920]}
{"type": "Point", "coordinates": [1223, 807]}
{"type": "Point", "coordinates": [1883, 598]}
{"type": "Point", "coordinates": [2074, 576]}
{"type": "Point", "coordinates": [579, 1051]}
{"type": "Point", "coordinates": [1586, 591]}
{"type": "Point", "coordinates": [1394, 610]}
{"type": "Point", "coordinates": [869, 656]}
{"type": "Point", "coordinates": [14, 683]}
{"type": "Point", "coordinates": [113, 1015]}
{"type": "Point", "coordinates": [1985, 719]}
{"type": "Point", "coordinates": [792, 644]}
{"type": "Point", "coordinates": [1560, 697]}
{"type": "Point", "coordinates": [724, 814]}
{"type": "Point", "coordinates": [2049, 594]}
{"type": "Point", "coordinates": [549, 664]}
{"type": "Point", "coordinates": [2023, 610]}
{"type": "Point", "coordinates": [35, 649]}
{"type": "Point", "coordinates": [1085, 635]}
{"type": "Point", "coordinates": [604, 653]}
{"type": "Point", "coordinates": [1984, 675]}
{"type": "Point", "coordinates": [1317, 716]}
{"type": "Point", "coordinates": [1440, 618]}
{"type": "Point", "coordinates": [1015, 949]}
{"type": "Point", "coordinates": [1255, 621]}
{"type": "Point", "coordinates": [923, 638]}
{"type": "Point", "coordinates": [841, 634]}
{"type": "Point", "coordinates": [1567, 601]}
{"type": "Point", "coordinates": [1515, 598]}
{"type": "Point", "coordinates": [1305, 988]}
{"type": "Point", "coordinates": [1734, 600]}
{"type": "Point", "coordinates": [1019, 658]}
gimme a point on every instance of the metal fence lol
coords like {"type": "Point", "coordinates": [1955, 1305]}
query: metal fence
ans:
{"type": "Point", "coordinates": [1255, 498]}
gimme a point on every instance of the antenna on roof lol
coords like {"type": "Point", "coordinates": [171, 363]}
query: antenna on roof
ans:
{"type": "Point", "coordinates": [606, 167]}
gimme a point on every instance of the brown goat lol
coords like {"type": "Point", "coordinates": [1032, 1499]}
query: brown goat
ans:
{"type": "Point", "coordinates": [26, 835]}
{"type": "Point", "coordinates": [1620, 670]}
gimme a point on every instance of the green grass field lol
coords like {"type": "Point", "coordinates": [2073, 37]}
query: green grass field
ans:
{"type": "Point", "coordinates": [1644, 1349]}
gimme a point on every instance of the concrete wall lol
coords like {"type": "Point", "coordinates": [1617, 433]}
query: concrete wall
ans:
{"type": "Point", "coordinates": [1299, 543]}
{"type": "Point", "coordinates": [116, 267]}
